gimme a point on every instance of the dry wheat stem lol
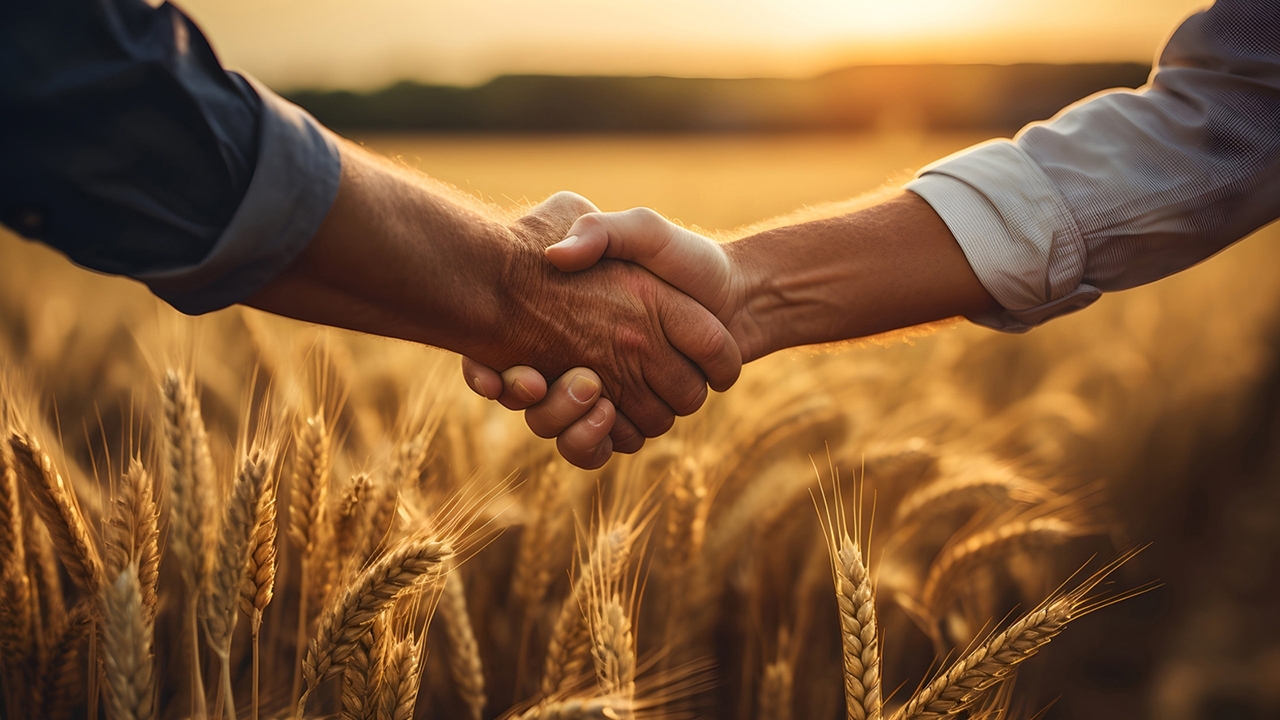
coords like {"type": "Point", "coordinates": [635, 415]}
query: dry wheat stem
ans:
{"type": "Point", "coordinates": [398, 692]}
{"type": "Point", "coordinates": [56, 504]}
{"type": "Point", "coordinates": [465, 666]}
{"type": "Point", "coordinates": [596, 708]}
{"type": "Point", "coordinates": [127, 633]}
{"type": "Point", "coordinates": [348, 617]}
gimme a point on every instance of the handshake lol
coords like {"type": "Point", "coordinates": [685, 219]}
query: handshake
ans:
{"type": "Point", "coordinates": [649, 314]}
{"type": "Point", "coordinates": [604, 327]}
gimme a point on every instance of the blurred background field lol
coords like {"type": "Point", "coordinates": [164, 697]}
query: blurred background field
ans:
{"type": "Point", "coordinates": [1169, 395]}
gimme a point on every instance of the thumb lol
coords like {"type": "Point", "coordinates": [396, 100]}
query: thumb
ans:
{"type": "Point", "coordinates": [692, 263]}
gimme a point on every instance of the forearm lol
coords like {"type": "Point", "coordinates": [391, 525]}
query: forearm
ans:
{"type": "Point", "coordinates": [889, 266]}
{"type": "Point", "coordinates": [397, 256]}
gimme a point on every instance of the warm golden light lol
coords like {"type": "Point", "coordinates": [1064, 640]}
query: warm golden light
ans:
{"type": "Point", "coordinates": [343, 43]}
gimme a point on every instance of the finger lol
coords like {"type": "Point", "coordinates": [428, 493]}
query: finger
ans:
{"type": "Point", "coordinates": [688, 261]}
{"type": "Point", "coordinates": [679, 383]}
{"type": "Point", "coordinates": [586, 443]}
{"type": "Point", "coordinates": [626, 437]}
{"type": "Point", "coordinates": [649, 413]}
{"type": "Point", "coordinates": [484, 380]}
{"type": "Point", "coordinates": [568, 399]}
{"type": "Point", "coordinates": [551, 218]}
{"type": "Point", "coordinates": [522, 386]}
{"type": "Point", "coordinates": [700, 337]}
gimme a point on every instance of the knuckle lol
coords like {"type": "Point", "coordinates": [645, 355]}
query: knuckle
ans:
{"type": "Point", "coordinates": [693, 398]}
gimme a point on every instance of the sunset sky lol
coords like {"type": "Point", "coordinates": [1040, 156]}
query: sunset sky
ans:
{"type": "Point", "coordinates": [368, 43]}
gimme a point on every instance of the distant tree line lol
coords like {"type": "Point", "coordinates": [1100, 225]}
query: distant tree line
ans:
{"type": "Point", "coordinates": [903, 97]}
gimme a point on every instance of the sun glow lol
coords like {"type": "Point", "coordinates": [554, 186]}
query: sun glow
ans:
{"type": "Point", "coordinates": [372, 42]}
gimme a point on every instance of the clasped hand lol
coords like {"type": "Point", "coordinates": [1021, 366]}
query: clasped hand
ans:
{"type": "Point", "coordinates": [636, 388]}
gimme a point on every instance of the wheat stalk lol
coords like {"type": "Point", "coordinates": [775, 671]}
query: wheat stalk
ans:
{"type": "Point", "coordinates": [349, 616]}
{"type": "Point", "coordinates": [465, 666]}
{"type": "Point", "coordinates": [16, 641]}
{"type": "Point", "coordinates": [127, 632]}
{"type": "Point", "coordinates": [56, 504]}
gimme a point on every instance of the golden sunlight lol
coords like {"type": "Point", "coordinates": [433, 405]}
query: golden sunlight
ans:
{"type": "Point", "coordinates": [341, 43]}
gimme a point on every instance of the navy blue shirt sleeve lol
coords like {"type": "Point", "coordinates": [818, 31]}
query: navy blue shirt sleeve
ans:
{"type": "Point", "coordinates": [129, 148]}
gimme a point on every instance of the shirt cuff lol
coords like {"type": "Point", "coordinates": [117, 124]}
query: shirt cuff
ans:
{"type": "Point", "coordinates": [293, 186]}
{"type": "Point", "coordinates": [1014, 228]}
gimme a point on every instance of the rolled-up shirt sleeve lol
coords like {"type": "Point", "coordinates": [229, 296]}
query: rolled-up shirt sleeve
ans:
{"type": "Point", "coordinates": [1128, 186]}
{"type": "Point", "coordinates": [129, 148]}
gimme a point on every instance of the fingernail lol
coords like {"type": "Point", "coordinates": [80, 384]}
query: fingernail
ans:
{"type": "Point", "coordinates": [597, 416]}
{"type": "Point", "coordinates": [583, 388]}
{"type": "Point", "coordinates": [566, 243]}
{"type": "Point", "coordinates": [475, 383]}
{"type": "Point", "coordinates": [522, 391]}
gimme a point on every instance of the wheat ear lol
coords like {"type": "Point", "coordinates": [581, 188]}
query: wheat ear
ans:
{"type": "Point", "coordinates": [191, 478]}
{"type": "Point", "coordinates": [260, 576]}
{"type": "Point", "coordinates": [16, 640]}
{"type": "Point", "coordinates": [308, 487]}
{"type": "Point", "coordinates": [127, 633]}
{"type": "Point", "coordinates": [543, 527]}
{"type": "Point", "coordinates": [776, 691]}
{"type": "Point", "coordinates": [995, 660]}
{"type": "Point", "coordinates": [398, 692]}
{"type": "Point", "coordinates": [362, 675]}
{"type": "Point", "coordinates": [613, 647]}
{"type": "Point", "coordinates": [569, 649]}
{"type": "Point", "coordinates": [465, 666]}
{"type": "Point", "coordinates": [349, 616]}
{"type": "Point", "coordinates": [231, 564]}
{"type": "Point", "coordinates": [987, 544]}
{"type": "Point", "coordinates": [856, 603]}
{"type": "Point", "coordinates": [351, 510]}
{"type": "Point", "coordinates": [986, 484]}
{"type": "Point", "coordinates": [56, 504]}
{"type": "Point", "coordinates": [132, 533]}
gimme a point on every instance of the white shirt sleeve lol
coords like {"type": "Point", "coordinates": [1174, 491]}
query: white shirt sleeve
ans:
{"type": "Point", "coordinates": [1125, 187]}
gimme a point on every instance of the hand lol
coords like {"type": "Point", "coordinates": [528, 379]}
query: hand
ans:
{"type": "Point", "coordinates": [640, 335]}
{"type": "Point", "coordinates": [692, 263]}
{"type": "Point", "coordinates": [401, 255]}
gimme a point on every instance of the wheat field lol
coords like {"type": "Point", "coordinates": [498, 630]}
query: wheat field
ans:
{"type": "Point", "coordinates": [239, 516]}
